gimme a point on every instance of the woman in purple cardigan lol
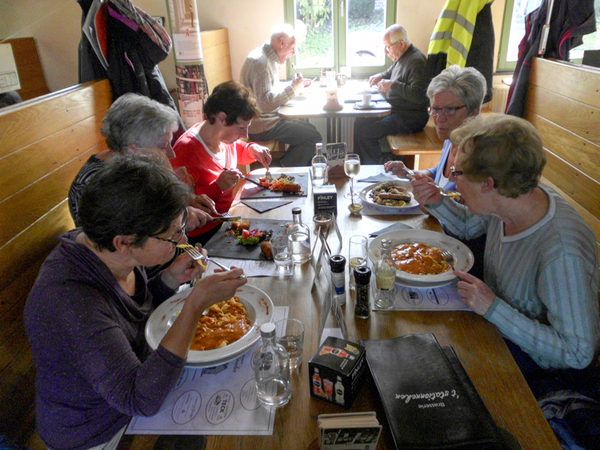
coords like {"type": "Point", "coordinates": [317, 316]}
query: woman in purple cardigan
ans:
{"type": "Point", "coordinates": [86, 313]}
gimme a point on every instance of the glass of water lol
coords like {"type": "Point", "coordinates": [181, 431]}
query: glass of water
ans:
{"type": "Point", "coordinates": [290, 334]}
{"type": "Point", "coordinates": [357, 255]}
{"type": "Point", "coordinates": [281, 253]}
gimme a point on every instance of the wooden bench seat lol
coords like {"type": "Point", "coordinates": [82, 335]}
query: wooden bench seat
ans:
{"type": "Point", "coordinates": [45, 142]}
{"type": "Point", "coordinates": [563, 104]}
{"type": "Point", "coordinates": [419, 150]}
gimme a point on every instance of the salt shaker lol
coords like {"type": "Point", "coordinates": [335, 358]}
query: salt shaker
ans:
{"type": "Point", "coordinates": [362, 281]}
{"type": "Point", "coordinates": [338, 277]}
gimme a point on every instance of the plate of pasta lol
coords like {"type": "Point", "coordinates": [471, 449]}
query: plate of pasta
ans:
{"type": "Point", "coordinates": [225, 331]}
{"type": "Point", "coordinates": [389, 195]}
{"type": "Point", "coordinates": [417, 255]}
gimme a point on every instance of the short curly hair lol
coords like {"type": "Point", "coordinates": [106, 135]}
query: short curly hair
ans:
{"type": "Point", "coordinates": [507, 148]}
{"type": "Point", "coordinates": [132, 195]}
{"type": "Point", "coordinates": [232, 98]}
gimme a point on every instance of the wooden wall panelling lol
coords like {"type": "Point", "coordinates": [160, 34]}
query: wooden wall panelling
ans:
{"type": "Point", "coordinates": [582, 188]}
{"type": "Point", "coordinates": [25, 166]}
{"type": "Point", "coordinates": [570, 114]}
{"type": "Point", "coordinates": [581, 153]}
{"type": "Point", "coordinates": [33, 202]}
{"type": "Point", "coordinates": [33, 243]}
{"type": "Point", "coordinates": [22, 125]}
{"type": "Point", "coordinates": [31, 74]}
{"type": "Point", "coordinates": [216, 57]}
{"type": "Point", "coordinates": [580, 83]}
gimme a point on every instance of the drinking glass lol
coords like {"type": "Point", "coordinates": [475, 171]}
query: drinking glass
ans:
{"type": "Point", "coordinates": [357, 255]}
{"type": "Point", "coordinates": [352, 168]}
{"type": "Point", "coordinates": [281, 254]}
{"type": "Point", "coordinates": [290, 334]}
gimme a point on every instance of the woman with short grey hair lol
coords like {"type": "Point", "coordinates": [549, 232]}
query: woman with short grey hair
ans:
{"type": "Point", "coordinates": [138, 122]}
{"type": "Point", "coordinates": [455, 95]}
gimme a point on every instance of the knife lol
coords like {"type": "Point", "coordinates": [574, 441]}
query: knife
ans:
{"type": "Point", "coordinates": [226, 219]}
{"type": "Point", "coordinates": [253, 181]}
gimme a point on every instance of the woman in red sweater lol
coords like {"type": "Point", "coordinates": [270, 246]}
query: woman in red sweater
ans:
{"type": "Point", "coordinates": [211, 150]}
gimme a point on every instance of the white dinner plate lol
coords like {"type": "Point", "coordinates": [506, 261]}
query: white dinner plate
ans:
{"type": "Point", "coordinates": [462, 254]}
{"type": "Point", "coordinates": [258, 305]}
{"type": "Point", "coordinates": [365, 196]}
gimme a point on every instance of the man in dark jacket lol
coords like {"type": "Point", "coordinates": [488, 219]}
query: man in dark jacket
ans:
{"type": "Point", "coordinates": [403, 85]}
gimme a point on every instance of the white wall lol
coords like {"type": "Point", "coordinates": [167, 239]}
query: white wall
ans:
{"type": "Point", "coordinates": [56, 26]}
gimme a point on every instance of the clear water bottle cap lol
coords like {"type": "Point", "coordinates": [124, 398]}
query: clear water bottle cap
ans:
{"type": "Point", "coordinates": [267, 329]}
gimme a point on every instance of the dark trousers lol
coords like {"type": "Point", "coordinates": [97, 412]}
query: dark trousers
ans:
{"type": "Point", "coordinates": [368, 131]}
{"type": "Point", "coordinates": [301, 137]}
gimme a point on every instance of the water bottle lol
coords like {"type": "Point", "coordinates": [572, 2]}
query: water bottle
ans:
{"type": "Point", "coordinates": [385, 274]}
{"type": "Point", "coordinates": [299, 239]}
{"type": "Point", "coordinates": [272, 370]}
{"type": "Point", "coordinates": [319, 166]}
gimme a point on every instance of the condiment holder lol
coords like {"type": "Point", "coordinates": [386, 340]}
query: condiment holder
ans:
{"type": "Point", "coordinates": [355, 208]}
{"type": "Point", "coordinates": [322, 220]}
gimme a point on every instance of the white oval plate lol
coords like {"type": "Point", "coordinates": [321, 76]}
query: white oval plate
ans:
{"type": "Point", "coordinates": [366, 197]}
{"type": "Point", "coordinates": [258, 305]}
{"type": "Point", "coordinates": [462, 254]}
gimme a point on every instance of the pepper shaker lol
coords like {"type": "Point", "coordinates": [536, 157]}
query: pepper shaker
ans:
{"type": "Point", "coordinates": [362, 281]}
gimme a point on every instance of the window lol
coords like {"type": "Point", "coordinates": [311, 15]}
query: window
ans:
{"type": "Point", "coordinates": [337, 33]}
{"type": "Point", "coordinates": [513, 31]}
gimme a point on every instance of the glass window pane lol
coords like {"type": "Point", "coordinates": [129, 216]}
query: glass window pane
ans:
{"type": "Point", "coordinates": [517, 26]}
{"type": "Point", "coordinates": [365, 22]}
{"type": "Point", "coordinates": [314, 31]}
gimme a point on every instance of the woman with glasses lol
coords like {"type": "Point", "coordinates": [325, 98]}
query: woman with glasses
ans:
{"type": "Point", "coordinates": [541, 262]}
{"type": "Point", "coordinates": [210, 151]}
{"type": "Point", "coordinates": [455, 95]}
{"type": "Point", "coordinates": [86, 313]}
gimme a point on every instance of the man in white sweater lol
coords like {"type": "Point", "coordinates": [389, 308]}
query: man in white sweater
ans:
{"type": "Point", "coordinates": [260, 74]}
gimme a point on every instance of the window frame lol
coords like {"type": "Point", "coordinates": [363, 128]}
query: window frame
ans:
{"type": "Point", "coordinates": [339, 41]}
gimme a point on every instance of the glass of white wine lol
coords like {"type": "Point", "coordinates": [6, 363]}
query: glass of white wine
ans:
{"type": "Point", "coordinates": [357, 255]}
{"type": "Point", "coordinates": [352, 168]}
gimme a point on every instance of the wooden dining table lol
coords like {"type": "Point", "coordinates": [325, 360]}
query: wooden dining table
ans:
{"type": "Point", "coordinates": [308, 104]}
{"type": "Point", "coordinates": [478, 344]}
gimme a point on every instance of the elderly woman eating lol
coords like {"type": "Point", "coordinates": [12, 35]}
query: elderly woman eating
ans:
{"type": "Point", "coordinates": [211, 150]}
{"type": "Point", "coordinates": [135, 124]}
{"type": "Point", "coordinates": [455, 95]}
{"type": "Point", "coordinates": [541, 262]}
{"type": "Point", "coordinates": [86, 313]}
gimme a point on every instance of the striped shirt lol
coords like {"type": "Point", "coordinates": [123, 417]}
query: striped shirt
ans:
{"type": "Point", "coordinates": [545, 279]}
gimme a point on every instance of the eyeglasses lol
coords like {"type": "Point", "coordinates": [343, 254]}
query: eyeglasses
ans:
{"type": "Point", "coordinates": [387, 47]}
{"type": "Point", "coordinates": [445, 111]}
{"type": "Point", "coordinates": [178, 235]}
{"type": "Point", "coordinates": [455, 173]}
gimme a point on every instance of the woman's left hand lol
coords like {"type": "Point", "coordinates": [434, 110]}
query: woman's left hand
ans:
{"type": "Point", "coordinates": [182, 270]}
{"type": "Point", "coordinates": [261, 154]}
{"type": "Point", "coordinates": [474, 293]}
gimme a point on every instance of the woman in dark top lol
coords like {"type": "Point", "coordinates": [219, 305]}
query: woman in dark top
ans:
{"type": "Point", "coordinates": [86, 313]}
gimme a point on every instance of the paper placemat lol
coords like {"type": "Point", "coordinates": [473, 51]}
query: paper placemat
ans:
{"type": "Point", "coordinates": [442, 298]}
{"type": "Point", "coordinates": [218, 400]}
{"type": "Point", "coordinates": [370, 209]}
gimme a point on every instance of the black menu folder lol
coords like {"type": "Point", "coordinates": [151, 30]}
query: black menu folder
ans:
{"type": "Point", "coordinates": [428, 398]}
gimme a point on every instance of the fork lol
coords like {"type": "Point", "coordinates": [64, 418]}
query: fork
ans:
{"type": "Point", "coordinates": [449, 257]}
{"type": "Point", "coordinates": [198, 256]}
{"type": "Point", "coordinates": [444, 193]}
